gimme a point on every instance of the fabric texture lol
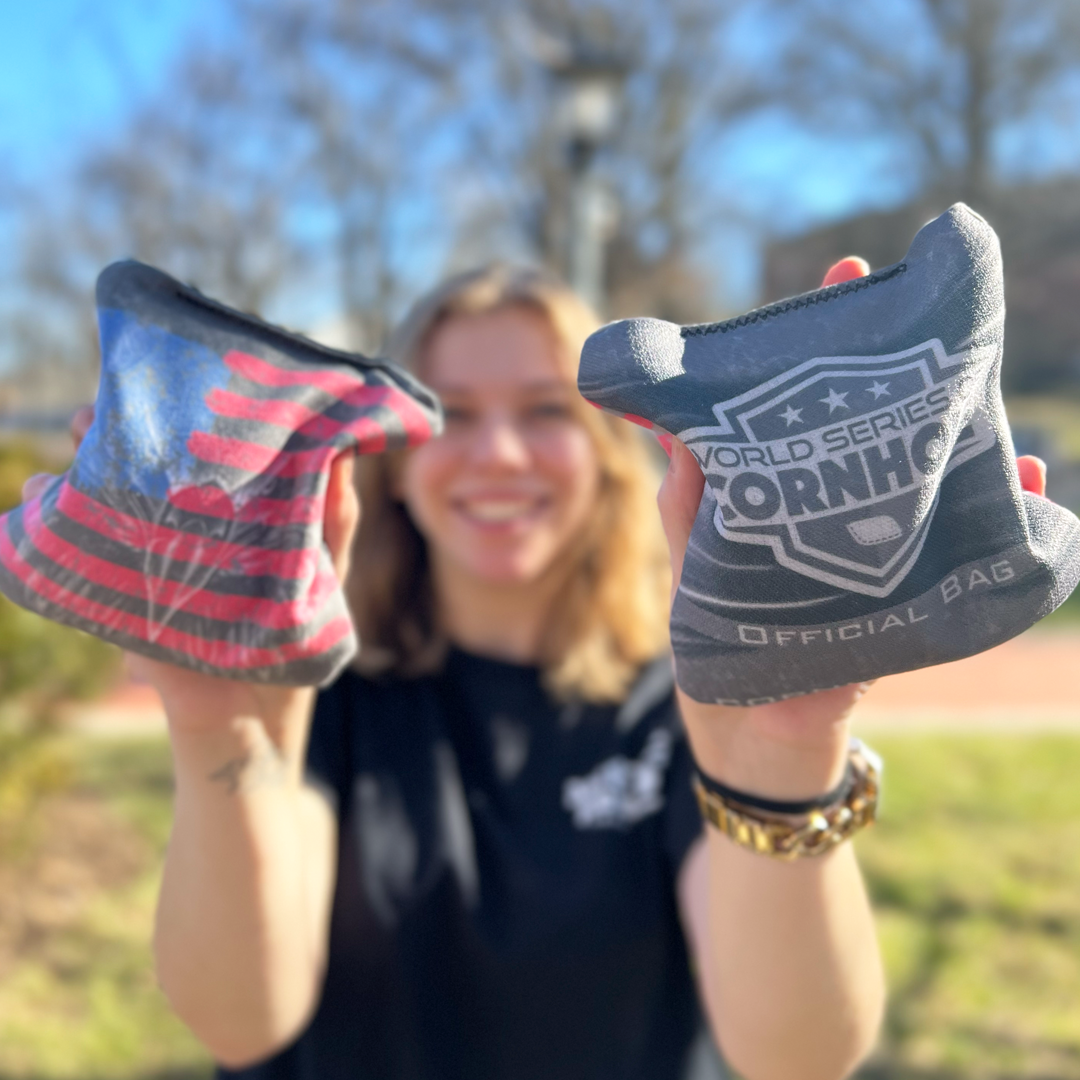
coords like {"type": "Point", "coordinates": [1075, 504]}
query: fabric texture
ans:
{"type": "Point", "coordinates": [189, 528]}
{"type": "Point", "coordinates": [505, 904]}
{"type": "Point", "coordinates": [862, 513]}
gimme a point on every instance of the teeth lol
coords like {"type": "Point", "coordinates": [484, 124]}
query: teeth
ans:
{"type": "Point", "coordinates": [498, 510]}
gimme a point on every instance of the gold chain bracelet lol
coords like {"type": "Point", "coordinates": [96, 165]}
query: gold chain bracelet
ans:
{"type": "Point", "coordinates": [814, 833]}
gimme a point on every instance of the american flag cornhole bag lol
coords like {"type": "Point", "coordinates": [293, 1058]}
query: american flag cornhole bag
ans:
{"type": "Point", "coordinates": [189, 527]}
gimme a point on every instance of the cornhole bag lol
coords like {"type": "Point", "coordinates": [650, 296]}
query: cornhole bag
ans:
{"type": "Point", "coordinates": [189, 527]}
{"type": "Point", "coordinates": [862, 513]}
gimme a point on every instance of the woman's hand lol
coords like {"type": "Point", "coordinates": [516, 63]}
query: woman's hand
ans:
{"type": "Point", "coordinates": [197, 702]}
{"type": "Point", "coordinates": [791, 749]}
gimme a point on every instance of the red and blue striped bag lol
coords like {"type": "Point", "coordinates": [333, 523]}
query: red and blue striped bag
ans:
{"type": "Point", "coordinates": [189, 526]}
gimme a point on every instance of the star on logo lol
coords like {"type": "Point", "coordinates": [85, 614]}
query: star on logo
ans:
{"type": "Point", "coordinates": [792, 415]}
{"type": "Point", "coordinates": [878, 389]}
{"type": "Point", "coordinates": [835, 400]}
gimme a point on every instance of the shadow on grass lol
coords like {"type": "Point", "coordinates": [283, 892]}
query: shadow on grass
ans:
{"type": "Point", "coordinates": [141, 764]}
{"type": "Point", "coordinates": [938, 918]}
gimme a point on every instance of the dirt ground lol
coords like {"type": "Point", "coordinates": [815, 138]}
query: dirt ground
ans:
{"type": "Point", "coordinates": [1029, 683]}
{"type": "Point", "coordinates": [78, 850]}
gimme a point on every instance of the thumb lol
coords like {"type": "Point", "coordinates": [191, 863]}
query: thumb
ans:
{"type": "Point", "coordinates": [678, 500]}
{"type": "Point", "coordinates": [1032, 474]}
{"type": "Point", "coordinates": [342, 513]}
{"type": "Point", "coordinates": [847, 269]}
{"type": "Point", "coordinates": [81, 423]}
{"type": "Point", "coordinates": [680, 493]}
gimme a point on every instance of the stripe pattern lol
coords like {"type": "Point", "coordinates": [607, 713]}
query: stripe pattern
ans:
{"type": "Point", "coordinates": [189, 527]}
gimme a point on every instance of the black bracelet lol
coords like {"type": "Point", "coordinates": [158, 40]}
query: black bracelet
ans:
{"type": "Point", "coordinates": [778, 806]}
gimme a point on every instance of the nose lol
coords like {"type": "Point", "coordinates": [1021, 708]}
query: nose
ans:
{"type": "Point", "coordinates": [500, 443]}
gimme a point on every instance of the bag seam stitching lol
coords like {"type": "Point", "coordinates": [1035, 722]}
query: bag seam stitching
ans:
{"type": "Point", "coordinates": [784, 306]}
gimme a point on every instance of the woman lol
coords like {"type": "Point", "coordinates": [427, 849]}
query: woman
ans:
{"type": "Point", "coordinates": [483, 859]}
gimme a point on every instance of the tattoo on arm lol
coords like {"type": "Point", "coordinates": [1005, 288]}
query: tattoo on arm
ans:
{"type": "Point", "coordinates": [263, 767]}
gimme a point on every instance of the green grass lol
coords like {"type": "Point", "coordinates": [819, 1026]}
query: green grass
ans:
{"type": "Point", "coordinates": [975, 874]}
{"type": "Point", "coordinates": [79, 1000]}
{"type": "Point", "coordinates": [974, 869]}
{"type": "Point", "coordinates": [1058, 416]}
{"type": "Point", "coordinates": [1066, 617]}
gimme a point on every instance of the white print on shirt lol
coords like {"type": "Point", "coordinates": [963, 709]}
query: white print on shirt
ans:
{"type": "Point", "coordinates": [620, 791]}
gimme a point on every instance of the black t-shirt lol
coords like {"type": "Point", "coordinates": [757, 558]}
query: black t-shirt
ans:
{"type": "Point", "coordinates": [505, 906]}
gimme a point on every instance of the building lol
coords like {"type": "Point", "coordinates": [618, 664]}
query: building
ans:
{"type": "Point", "coordinates": [1039, 226]}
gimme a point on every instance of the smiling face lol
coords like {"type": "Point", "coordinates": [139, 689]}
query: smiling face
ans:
{"type": "Point", "coordinates": [503, 494]}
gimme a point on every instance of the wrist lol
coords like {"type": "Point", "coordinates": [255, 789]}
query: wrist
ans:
{"type": "Point", "coordinates": [780, 753]}
{"type": "Point", "coordinates": [789, 830]}
{"type": "Point", "coordinates": [234, 758]}
{"type": "Point", "coordinates": [762, 804]}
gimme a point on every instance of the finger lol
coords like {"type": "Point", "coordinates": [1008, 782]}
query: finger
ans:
{"type": "Point", "coordinates": [342, 513]}
{"type": "Point", "coordinates": [80, 424]}
{"type": "Point", "coordinates": [1032, 474]}
{"type": "Point", "coordinates": [680, 495]}
{"type": "Point", "coordinates": [35, 485]}
{"type": "Point", "coordinates": [846, 270]}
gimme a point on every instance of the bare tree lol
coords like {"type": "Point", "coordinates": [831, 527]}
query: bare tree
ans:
{"type": "Point", "coordinates": [352, 150]}
{"type": "Point", "coordinates": [684, 85]}
{"type": "Point", "coordinates": [184, 187]}
{"type": "Point", "coordinates": [355, 90]}
{"type": "Point", "coordinates": [939, 84]}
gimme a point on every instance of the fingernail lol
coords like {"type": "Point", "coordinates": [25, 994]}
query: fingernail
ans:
{"type": "Point", "coordinates": [664, 439]}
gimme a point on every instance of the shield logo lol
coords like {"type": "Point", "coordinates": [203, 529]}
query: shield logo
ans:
{"type": "Point", "coordinates": [836, 464]}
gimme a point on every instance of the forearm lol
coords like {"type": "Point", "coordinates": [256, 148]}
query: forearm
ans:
{"type": "Point", "coordinates": [237, 946]}
{"type": "Point", "coordinates": [793, 982]}
{"type": "Point", "coordinates": [796, 980]}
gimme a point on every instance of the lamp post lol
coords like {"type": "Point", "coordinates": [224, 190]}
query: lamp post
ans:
{"type": "Point", "coordinates": [586, 117]}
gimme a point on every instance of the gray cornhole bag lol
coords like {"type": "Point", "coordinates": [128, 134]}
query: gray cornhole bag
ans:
{"type": "Point", "coordinates": [862, 513]}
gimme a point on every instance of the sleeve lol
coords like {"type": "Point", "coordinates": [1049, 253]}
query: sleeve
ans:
{"type": "Point", "coordinates": [682, 819]}
{"type": "Point", "coordinates": [328, 764]}
{"type": "Point", "coordinates": [652, 703]}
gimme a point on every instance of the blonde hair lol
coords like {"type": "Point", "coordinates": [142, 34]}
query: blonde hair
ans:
{"type": "Point", "coordinates": [612, 612]}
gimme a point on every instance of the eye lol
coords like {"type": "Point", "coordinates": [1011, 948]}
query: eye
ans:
{"type": "Point", "coordinates": [550, 410]}
{"type": "Point", "coordinates": [456, 414]}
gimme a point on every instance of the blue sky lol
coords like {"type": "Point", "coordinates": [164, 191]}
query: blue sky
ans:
{"type": "Point", "coordinates": [69, 69]}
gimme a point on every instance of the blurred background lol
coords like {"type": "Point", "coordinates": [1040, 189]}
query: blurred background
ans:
{"type": "Point", "coordinates": [323, 162]}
